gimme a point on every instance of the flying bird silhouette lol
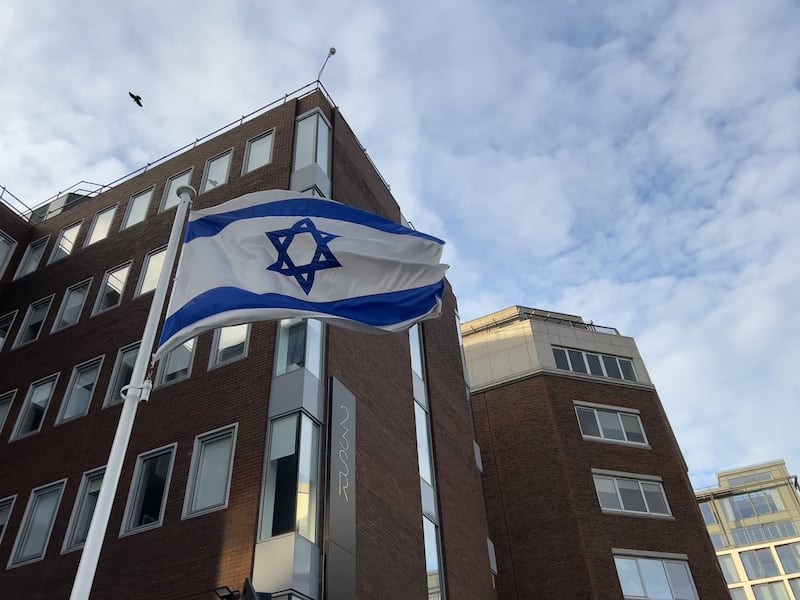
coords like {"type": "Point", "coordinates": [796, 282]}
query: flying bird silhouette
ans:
{"type": "Point", "coordinates": [135, 98]}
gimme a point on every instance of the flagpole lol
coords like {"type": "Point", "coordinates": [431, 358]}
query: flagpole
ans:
{"type": "Point", "coordinates": [139, 389]}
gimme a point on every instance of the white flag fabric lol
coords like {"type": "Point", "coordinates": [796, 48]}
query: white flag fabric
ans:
{"type": "Point", "coordinates": [278, 254]}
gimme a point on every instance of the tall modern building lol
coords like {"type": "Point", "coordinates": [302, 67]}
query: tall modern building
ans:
{"type": "Point", "coordinates": [586, 489]}
{"type": "Point", "coordinates": [319, 462]}
{"type": "Point", "coordinates": [753, 518]}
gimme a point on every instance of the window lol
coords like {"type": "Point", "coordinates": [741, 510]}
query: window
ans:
{"type": "Point", "coordinates": [720, 540]}
{"type": "Point", "coordinates": [171, 197]}
{"type": "Point", "coordinates": [32, 323]}
{"type": "Point", "coordinates": [82, 512]}
{"type": "Point", "coordinates": [7, 246]}
{"type": "Point", "coordinates": [430, 535]}
{"type": "Point", "coordinates": [291, 346]}
{"type": "Point", "coordinates": [312, 142]}
{"type": "Point", "coordinates": [37, 524]}
{"type": "Point", "coordinates": [752, 534]}
{"type": "Point", "coordinates": [5, 327]}
{"type": "Point", "coordinates": [655, 578]}
{"type": "Point", "coordinates": [790, 557]}
{"type": "Point", "coordinates": [795, 585]}
{"type": "Point", "coordinates": [101, 225]}
{"type": "Point", "coordinates": [771, 591]}
{"type": "Point", "coordinates": [609, 424]}
{"type": "Point", "coordinates": [137, 208]}
{"type": "Point", "coordinates": [30, 260]}
{"type": "Point", "coordinates": [602, 365]}
{"type": "Point", "coordinates": [290, 497]}
{"type": "Point", "coordinates": [754, 478]}
{"type": "Point", "coordinates": [423, 443]}
{"type": "Point", "coordinates": [65, 242]}
{"type": "Point", "coordinates": [5, 406]}
{"type": "Point", "coordinates": [210, 473]}
{"type": "Point", "coordinates": [759, 563]}
{"type": "Point", "coordinates": [728, 568]}
{"type": "Point", "coordinates": [230, 344]}
{"type": "Point", "coordinates": [121, 376]}
{"type": "Point", "coordinates": [258, 153]}
{"type": "Point", "coordinates": [149, 487]}
{"type": "Point", "coordinates": [110, 294]}
{"type": "Point", "coordinates": [176, 365]}
{"type": "Point", "coordinates": [80, 390]}
{"type": "Point", "coordinates": [631, 495]}
{"type": "Point", "coordinates": [738, 594]}
{"type": "Point", "coordinates": [708, 513]}
{"type": "Point", "coordinates": [216, 173]}
{"type": "Point", "coordinates": [72, 305]}
{"type": "Point", "coordinates": [34, 408]}
{"type": "Point", "coordinates": [6, 505]}
{"type": "Point", "coordinates": [151, 271]}
{"type": "Point", "coordinates": [746, 505]}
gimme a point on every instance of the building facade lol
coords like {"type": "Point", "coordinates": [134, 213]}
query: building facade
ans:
{"type": "Point", "coordinates": [753, 519]}
{"type": "Point", "coordinates": [586, 489]}
{"type": "Point", "coordinates": [317, 461]}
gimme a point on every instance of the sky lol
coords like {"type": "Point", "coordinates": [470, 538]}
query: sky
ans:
{"type": "Point", "coordinates": [635, 163]}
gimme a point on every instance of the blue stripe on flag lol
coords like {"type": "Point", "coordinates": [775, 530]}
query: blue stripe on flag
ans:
{"type": "Point", "coordinates": [378, 310]}
{"type": "Point", "coordinates": [211, 225]}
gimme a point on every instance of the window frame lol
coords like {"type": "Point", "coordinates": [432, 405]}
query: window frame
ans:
{"type": "Point", "coordinates": [602, 363]}
{"type": "Point", "coordinates": [162, 365]}
{"type": "Point", "coordinates": [125, 225]}
{"type": "Point", "coordinates": [9, 501]}
{"type": "Point", "coordinates": [53, 258]}
{"type": "Point", "coordinates": [162, 207]}
{"type": "Point", "coordinates": [757, 554]}
{"type": "Point", "coordinates": [14, 559]}
{"type": "Point", "coordinates": [228, 431]}
{"type": "Point", "coordinates": [91, 363]}
{"type": "Point", "coordinates": [663, 558]}
{"type": "Point", "coordinates": [248, 150]}
{"type": "Point", "coordinates": [618, 411]}
{"type": "Point", "coordinates": [207, 169]}
{"type": "Point", "coordinates": [107, 400]}
{"type": "Point", "coordinates": [69, 545]}
{"type": "Point", "coordinates": [49, 301]}
{"type": "Point", "coordinates": [639, 479]}
{"type": "Point", "coordinates": [318, 114]}
{"type": "Point", "coordinates": [9, 397]}
{"type": "Point", "coordinates": [768, 585]}
{"type": "Point", "coordinates": [213, 359]}
{"type": "Point", "coordinates": [41, 242]}
{"type": "Point", "coordinates": [101, 292]}
{"type": "Point", "coordinates": [12, 247]}
{"type": "Point", "coordinates": [143, 271]}
{"type": "Point", "coordinates": [113, 210]}
{"type": "Point", "coordinates": [15, 435]}
{"type": "Point", "coordinates": [63, 305]}
{"type": "Point", "coordinates": [133, 491]}
{"type": "Point", "coordinates": [11, 316]}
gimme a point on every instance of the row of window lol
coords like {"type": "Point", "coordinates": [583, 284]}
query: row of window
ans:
{"type": "Point", "coordinates": [258, 152]}
{"type": "Point", "coordinates": [207, 490]}
{"type": "Point", "coordinates": [229, 344]}
{"type": "Point", "coordinates": [744, 505]}
{"type": "Point", "coordinates": [753, 534]}
{"type": "Point", "coordinates": [590, 363]}
{"type": "Point", "coordinates": [760, 564]}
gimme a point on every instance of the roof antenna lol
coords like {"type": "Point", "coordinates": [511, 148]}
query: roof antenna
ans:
{"type": "Point", "coordinates": [331, 52]}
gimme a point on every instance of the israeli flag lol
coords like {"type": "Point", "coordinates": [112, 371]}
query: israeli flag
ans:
{"type": "Point", "coordinates": [277, 254]}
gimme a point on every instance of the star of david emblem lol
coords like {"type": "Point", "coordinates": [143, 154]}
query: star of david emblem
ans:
{"type": "Point", "coordinates": [323, 257]}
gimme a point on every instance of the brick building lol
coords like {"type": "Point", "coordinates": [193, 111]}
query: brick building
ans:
{"type": "Point", "coordinates": [586, 490]}
{"type": "Point", "coordinates": [317, 461]}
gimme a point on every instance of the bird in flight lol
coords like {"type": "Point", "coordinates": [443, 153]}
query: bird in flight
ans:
{"type": "Point", "coordinates": [135, 98]}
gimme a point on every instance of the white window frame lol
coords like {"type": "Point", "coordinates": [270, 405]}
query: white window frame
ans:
{"type": "Point", "coordinates": [168, 189]}
{"type": "Point", "coordinates": [162, 365]}
{"type": "Point", "coordinates": [42, 241]}
{"type": "Point", "coordinates": [229, 431]}
{"type": "Point", "coordinates": [24, 528]}
{"type": "Point", "coordinates": [100, 293]}
{"type": "Point", "coordinates": [63, 306]}
{"type": "Point", "coordinates": [638, 479]}
{"type": "Point", "coordinates": [206, 170]}
{"type": "Point", "coordinates": [248, 148]}
{"type": "Point", "coordinates": [53, 253]}
{"type": "Point", "coordinates": [69, 544]}
{"type": "Point", "coordinates": [15, 435]}
{"type": "Point", "coordinates": [618, 410]}
{"type": "Point", "coordinates": [89, 241]}
{"type": "Point", "coordinates": [131, 201]}
{"type": "Point", "coordinates": [96, 361]}
{"type": "Point", "coordinates": [7, 397]}
{"type": "Point", "coordinates": [603, 368]}
{"type": "Point", "coordinates": [213, 362]}
{"type": "Point", "coordinates": [127, 528]}
{"type": "Point", "coordinates": [11, 316]}
{"type": "Point", "coordinates": [662, 557]}
{"type": "Point", "coordinates": [109, 401]}
{"type": "Point", "coordinates": [49, 301]}
{"type": "Point", "coordinates": [319, 115]}
{"type": "Point", "coordinates": [7, 501]}
{"type": "Point", "coordinates": [12, 247]}
{"type": "Point", "coordinates": [145, 266]}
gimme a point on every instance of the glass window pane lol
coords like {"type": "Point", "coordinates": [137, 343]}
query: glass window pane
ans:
{"type": "Point", "coordinates": [81, 389]}
{"type": "Point", "coordinates": [86, 502]}
{"type": "Point", "coordinates": [431, 540]}
{"type": "Point", "coordinates": [171, 197]}
{"type": "Point", "coordinates": [101, 225]}
{"type": "Point", "coordinates": [259, 152]}
{"type": "Point", "coordinates": [178, 363]}
{"type": "Point", "coordinates": [654, 495]}
{"type": "Point", "coordinates": [150, 490]}
{"type": "Point", "coordinates": [284, 437]}
{"type": "Point", "coordinates": [5, 513]}
{"type": "Point", "coordinates": [606, 492]}
{"type": "Point", "coordinates": [789, 556]}
{"type": "Point", "coordinates": [612, 370]}
{"type": "Point", "coordinates": [112, 288]}
{"type": "Point", "coordinates": [680, 581]}
{"type": "Point", "coordinates": [609, 425]}
{"type": "Point", "coordinates": [231, 343]}
{"type": "Point", "coordinates": [728, 568]}
{"type": "Point", "coordinates": [291, 346]}
{"type": "Point", "coordinates": [305, 140]}
{"type": "Point", "coordinates": [71, 306]}
{"type": "Point", "coordinates": [31, 258]}
{"type": "Point", "coordinates": [415, 345]}
{"type": "Point", "coordinates": [561, 358]}
{"type": "Point", "coordinates": [627, 369]}
{"type": "Point", "coordinates": [5, 327]}
{"type": "Point", "coordinates": [795, 585]}
{"type": "Point", "coordinates": [216, 172]}
{"type": "Point", "coordinates": [123, 371]}
{"type": "Point", "coordinates": [759, 563]}
{"type": "Point", "coordinates": [280, 485]}
{"type": "Point", "coordinates": [738, 594]}
{"type": "Point", "coordinates": [423, 443]}
{"type": "Point", "coordinates": [594, 364]}
{"type": "Point", "coordinates": [213, 468]}
{"type": "Point", "coordinates": [576, 361]}
{"type": "Point", "coordinates": [137, 208]}
{"type": "Point", "coordinates": [770, 591]}
{"type": "Point", "coordinates": [631, 495]}
{"type": "Point", "coordinates": [323, 142]}
{"type": "Point", "coordinates": [587, 421]}
{"type": "Point", "coordinates": [655, 578]}
{"type": "Point", "coordinates": [633, 428]}
{"type": "Point", "coordinates": [629, 577]}
{"type": "Point", "coordinates": [5, 406]}
{"type": "Point", "coordinates": [32, 326]}
{"type": "Point", "coordinates": [7, 246]}
{"type": "Point", "coordinates": [314, 332]}
{"type": "Point", "coordinates": [36, 529]}
{"type": "Point", "coordinates": [65, 242]}
{"type": "Point", "coordinates": [307, 479]}
{"type": "Point", "coordinates": [153, 263]}
{"type": "Point", "coordinates": [708, 515]}
{"type": "Point", "coordinates": [35, 407]}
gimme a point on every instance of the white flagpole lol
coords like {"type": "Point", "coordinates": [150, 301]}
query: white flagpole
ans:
{"type": "Point", "coordinates": [139, 389]}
